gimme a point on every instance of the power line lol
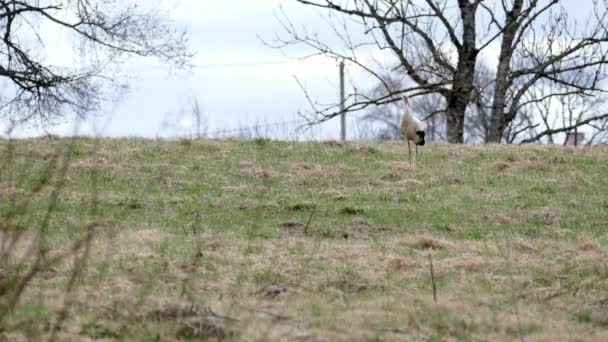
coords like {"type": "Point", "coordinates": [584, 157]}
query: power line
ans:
{"type": "Point", "coordinates": [256, 128]}
{"type": "Point", "coordinates": [237, 64]}
{"type": "Point", "coordinates": [241, 64]}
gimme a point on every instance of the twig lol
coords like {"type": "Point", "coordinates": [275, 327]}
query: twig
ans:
{"type": "Point", "coordinates": [514, 297]}
{"type": "Point", "coordinates": [314, 209]}
{"type": "Point", "coordinates": [564, 129]}
{"type": "Point", "coordinates": [197, 219]}
{"type": "Point", "coordinates": [575, 289]}
{"type": "Point", "coordinates": [433, 275]}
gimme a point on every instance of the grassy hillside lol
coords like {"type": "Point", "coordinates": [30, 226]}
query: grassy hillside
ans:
{"type": "Point", "coordinates": [262, 240]}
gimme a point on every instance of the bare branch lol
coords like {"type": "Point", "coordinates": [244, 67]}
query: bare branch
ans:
{"type": "Point", "coordinates": [564, 129]}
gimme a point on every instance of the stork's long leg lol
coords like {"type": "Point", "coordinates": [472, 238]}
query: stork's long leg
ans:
{"type": "Point", "coordinates": [409, 151]}
{"type": "Point", "coordinates": [416, 153]}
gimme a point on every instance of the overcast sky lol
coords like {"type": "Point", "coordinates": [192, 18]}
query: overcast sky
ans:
{"type": "Point", "coordinates": [237, 80]}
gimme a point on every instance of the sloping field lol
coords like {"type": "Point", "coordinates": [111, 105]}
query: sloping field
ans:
{"type": "Point", "coordinates": [259, 240]}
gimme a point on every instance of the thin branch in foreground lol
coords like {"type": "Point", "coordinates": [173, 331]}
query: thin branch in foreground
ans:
{"type": "Point", "coordinates": [314, 209]}
{"type": "Point", "coordinates": [433, 275]}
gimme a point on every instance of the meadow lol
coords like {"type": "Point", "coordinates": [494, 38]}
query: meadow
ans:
{"type": "Point", "coordinates": [262, 240]}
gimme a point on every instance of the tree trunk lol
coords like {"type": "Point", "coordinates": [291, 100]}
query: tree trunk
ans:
{"type": "Point", "coordinates": [462, 85]}
{"type": "Point", "coordinates": [455, 127]}
{"type": "Point", "coordinates": [498, 119]}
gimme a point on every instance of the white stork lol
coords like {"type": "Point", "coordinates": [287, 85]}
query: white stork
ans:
{"type": "Point", "coordinates": [412, 129]}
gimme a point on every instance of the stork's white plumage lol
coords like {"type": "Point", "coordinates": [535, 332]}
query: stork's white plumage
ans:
{"type": "Point", "coordinates": [412, 129]}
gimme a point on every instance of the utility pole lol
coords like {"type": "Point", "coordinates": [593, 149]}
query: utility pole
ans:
{"type": "Point", "coordinates": [342, 100]}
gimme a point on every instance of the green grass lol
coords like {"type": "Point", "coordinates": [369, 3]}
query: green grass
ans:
{"type": "Point", "coordinates": [518, 237]}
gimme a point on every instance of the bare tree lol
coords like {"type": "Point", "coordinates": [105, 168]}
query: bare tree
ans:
{"type": "Point", "coordinates": [104, 34]}
{"type": "Point", "coordinates": [477, 123]}
{"type": "Point", "coordinates": [542, 44]}
{"type": "Point", "coordinates": [571, 113]}
{"type": "Point", "coordinates": [437, 44]}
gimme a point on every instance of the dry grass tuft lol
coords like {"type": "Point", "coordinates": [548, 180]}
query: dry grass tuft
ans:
{"type": "Point", "coordinates": [244, 164]}
{"type": "Point", "coordinates": [194, 322]}
{"type": "Point", "coordinates": [545, 215]}
{"type": "Point", "coordinates": [502, 165]}
{"type": "Point", "coordinates": [364, 150]}
{"type": "Point", "coordinates": [332, 194]}
{"type": "Point", "coordinates": [333, 143]}
{"type": "Point", "coordinates": [588, 246]}
{"type": "Point", "coordinates": [400, 264]}
{"type": "Point", "coordinates": [256, 205]}
{"type": "Point", "coordinates": [410, 182]}
{"type": "Point", "coordinates": [238, 188]}
{"type": "Point", "coordinates": [535, 165]}
{"type": "Point", "coordinates": [10, 191]}
{"type": "Point", "coordinates": [311, 167]}
{"type": "Point", "coordinates": [524, 246]}
{"type": "Point", "coordinates": [291, 224]}
{"type": "Point", "coordinates": [428, 242]}
{"type": "Point", "coordinates": [341, 170]}
{"type": "Point", "coordinates": [272, 290]}
{"type": "Point", "coordinates": [360, 222]}
{"type": "Point", "coordinates": [90, 165]}
{"type": "Point", "coordinates": [467, 263]}
{"type": "Point", "coordinates": [259, 173]}
{"type": "Point", "coordinates": [559, 160]}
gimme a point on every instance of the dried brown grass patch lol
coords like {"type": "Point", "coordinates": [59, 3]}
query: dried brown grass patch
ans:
{"type": "Point", "coordinates": [410, 182]}
{"type": "Point", "coordinates": [547, 215]}
{"type": "Point", "coordinates": [304, 167]}
{"type": "Point", "coordinates": [194, 322]}
{"type": "Point", "coordinates": [244, 188]}
{"type": "Point", "coordinates": [400, 264]}
{"type": "Point", "coordinates": [577, 178]}
{"type": "Point", "coordinates": [588, 246]}
{"type": "Point", "coordinates": [452, 179]}
{"type": "Point", "coordinates": [524, 246]}
{"type": "Point", "coordinates": [403, 167]}
{"type": "Point", "coordinates": [246, 164]}
{"type": "Point", "coordinates": [332, 194]}
{"type": "Point", "coordinates": [259, 173]}
{"type": "Point", "coordinates": [139, 242]}
{"type": "Point", "coordinates": [502, 165]}
{"type": "Point", "coordinates": [22, 246]}
{"type": "Point", "coordinates": [428, 242]}
{"type": "Point", "coordinates": [467, 263]}
{"type": "Point", "coordinates": [125, 150]}
{"type": "Point", "coordinates": [359, 222]}
{"type": "Point", "coordinates": [256, 205]}
{"type": "Point", "coordinates": [37, 151]}
{"type": "Point", "coordinates": [291, 224]}
{"type": "Point", "coordinates": [364, 150]}
{"type": "Point", "coordinates": [534, 165]}
{"type": "Point", "coordinates": [600, 152]}
{"type": "Point", "coordinates": [10, 191]}
{"type": "Point", "coordinates": [341, 170]}
{"type": "Point", "coordinates": [90, 165]}
{"type": "Point", "coordinates": [333, 143]}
